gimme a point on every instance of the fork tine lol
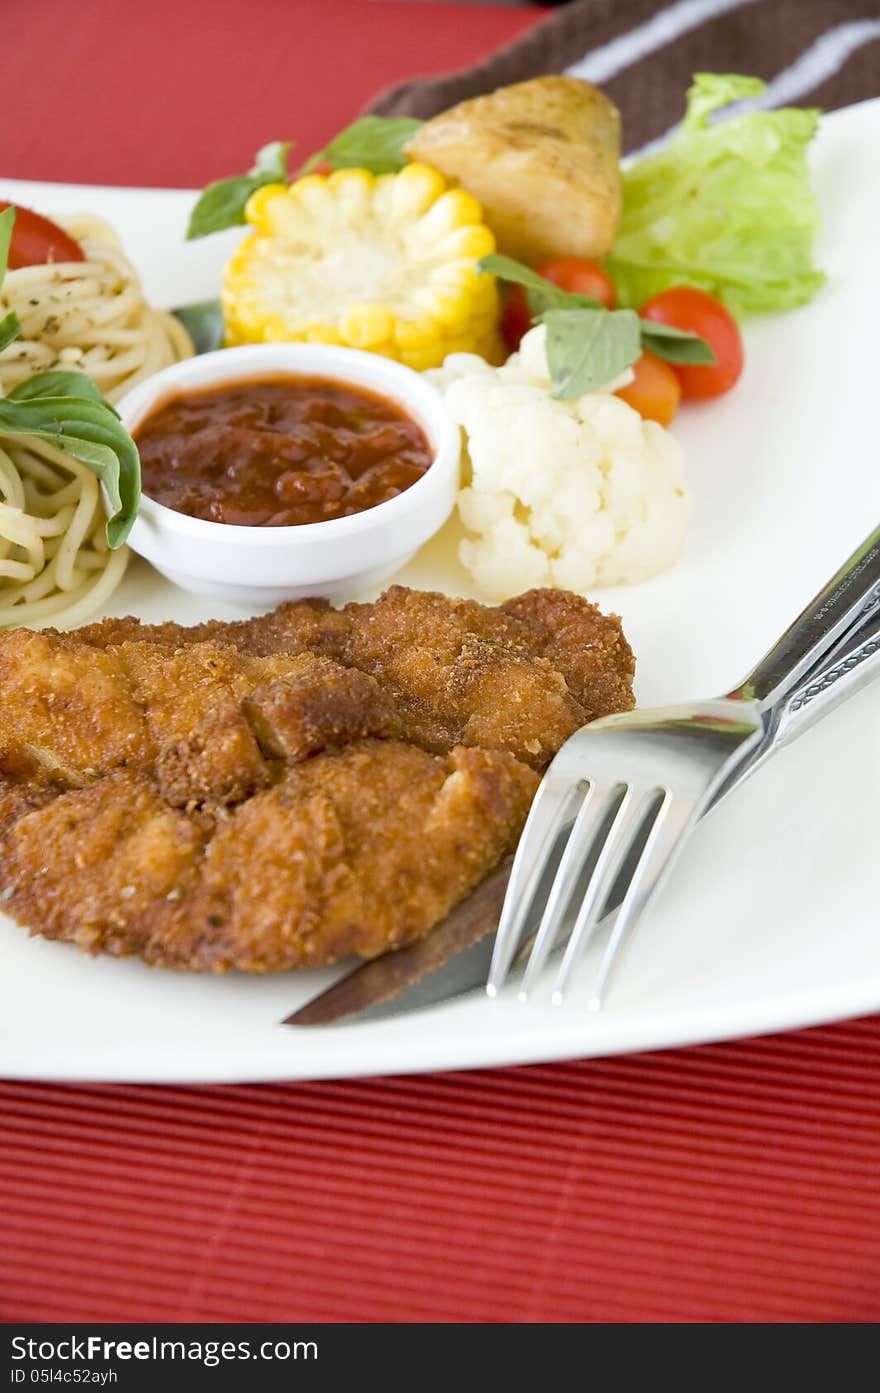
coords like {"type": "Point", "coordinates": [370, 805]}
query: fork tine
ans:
{"type": "Point", "coordinates": [664, 841]}
{"type": "Point", "coordinates": [586, 829]}
{"type": "Point", "coordinates": [547, 816]}
{"type": "Point", "coordinates": [629, 819]}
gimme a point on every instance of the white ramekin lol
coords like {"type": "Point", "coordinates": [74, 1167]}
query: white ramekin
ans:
{"type": "Point", "coordinates": [261, 566]}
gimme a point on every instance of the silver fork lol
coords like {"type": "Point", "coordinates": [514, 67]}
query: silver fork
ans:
{"type": "Point", "coordinates": [625, 791]}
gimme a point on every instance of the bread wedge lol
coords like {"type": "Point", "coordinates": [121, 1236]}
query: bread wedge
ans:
{"type": "Point", "coordinates": [542, 157]}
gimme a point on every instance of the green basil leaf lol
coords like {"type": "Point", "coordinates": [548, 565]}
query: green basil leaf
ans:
{"type": "Point", "coordinates": [222, 204]}
{"type": "Point", "coordinates": [541, 294]}
{"type": "Point", "coordinates": [86, 427]}
{"type": "Point", "coordinates": [506, 269]}
{"type": "Point", "coordinates": [7, 218]}
{"type": "Point", "coordinates": [675, 345]}
{"type": "Point", "coordinates": [589, 350]}
{"type": "Point", "coordinates": [555, 298]}
{"type": "Point", "coordinates": [204, 323]}
{"type": "Point", "coordinates": [374, 142]}
{"type": "Point", "coordinates": [586, 348]}
{"type": "Point", "coordinates": [59, 384]}
{"type": "Point", "coordinates": [9, 329]}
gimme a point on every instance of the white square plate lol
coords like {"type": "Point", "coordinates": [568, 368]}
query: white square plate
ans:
{"type": "Point", "coordinates": [770, 919]}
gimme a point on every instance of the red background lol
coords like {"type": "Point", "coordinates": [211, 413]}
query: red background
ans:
{"type": "Point", "coordinates": [184, 91]}
{"type": "Point", "coordinates": [735, 1182]}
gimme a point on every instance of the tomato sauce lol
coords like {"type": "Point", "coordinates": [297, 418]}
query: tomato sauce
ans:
{"type": "Point", "coordinates": [279, 453]}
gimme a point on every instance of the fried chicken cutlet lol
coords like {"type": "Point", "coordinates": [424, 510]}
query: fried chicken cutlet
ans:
{"type": "Point", "coordinates": [284, 791]}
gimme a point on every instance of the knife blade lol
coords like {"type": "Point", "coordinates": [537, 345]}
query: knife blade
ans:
{"type": "Point", "coordinates": [453, 959]}
{"type": "Point", "coordinates": [385, 978]}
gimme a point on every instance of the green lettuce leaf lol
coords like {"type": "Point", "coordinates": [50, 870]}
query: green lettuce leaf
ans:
{"type": "Point", "coordinates": [726, 206]}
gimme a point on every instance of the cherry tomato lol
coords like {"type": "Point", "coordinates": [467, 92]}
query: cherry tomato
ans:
{"type": "Point", "coordinates": [685, 307]}
{"type": "Point", "coordinates": [516, 317]}
{"type": "Point", "coordinates": [655, 390]}
{"type": "Point", "coordinates": [36, 240]}
{"type": "Point", "coordinates": [573, 273]}
{"type": "Point", "coordinates": [581, 277]}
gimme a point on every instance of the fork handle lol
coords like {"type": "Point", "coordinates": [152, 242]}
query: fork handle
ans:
{"type": "Point", "coordinates": [846, 673]}
{"type": "Point", "coordinates": [848, 597]}
{"type": "Point", "coordinates": [850, 666]}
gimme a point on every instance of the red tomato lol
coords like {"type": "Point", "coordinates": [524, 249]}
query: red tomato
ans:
{"type": "Point", "coordinates": [655, 391]}
{"type": "Point", "coordinates": [573, 273]}
{"type": "Point", "coordinates": [581, 277]}
{"type": "Point", "coordinates": [685, 307]}
{"type": "Point", "coordinates": [516, 317]}
{"type": "Point", "coordinates": [36, 240]}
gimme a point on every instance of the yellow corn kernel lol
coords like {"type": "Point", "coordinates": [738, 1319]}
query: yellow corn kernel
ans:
{"type": "Point", "coordinates": [423, 358]}
{"type": "Point", "coordinates": [457, 277]}
{"type": "Point", "coordinates": [264, 205]}
{"type": "Point", "coordinates": [342, 179]}
{"type": "Point", "coordinates": [460, 343]}
{"type": "Point", "coordinates": [311, 192]}
{"type": "Point", "coordinates": [323, 333]}
{"type": "Point", "coordinates": [352, 189]}
{"type": "Point", "coordinates": [411, 334]}
{"type": "Point", "coordinates": [415, 189]}
{"type": "Point", "coordinates": [383, 197]}
{"type": "Point", "coordinates": [367, 326]}
{"type": "Point", "coordinates": [452, 312]}
{"type": "Point", "coordinates": [277, 330]}
{"type": "Point", "coordinates": [473, 242]}
{"type": "Point", "coordinates": [485, 297]}
{"type": "Point", "coordinates": [386, 264]}
{"type": "Point", "coordinates": [455, 209]}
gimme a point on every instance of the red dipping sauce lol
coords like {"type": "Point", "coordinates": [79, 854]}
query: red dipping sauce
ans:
{"type": "Point", "coordinates": [279, 453]}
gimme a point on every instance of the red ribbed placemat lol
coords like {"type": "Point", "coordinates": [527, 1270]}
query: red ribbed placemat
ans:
{"type": "Point", "coordinates": [735, 1182]}
{"type": "Point", "coordinates": [732, 1182]}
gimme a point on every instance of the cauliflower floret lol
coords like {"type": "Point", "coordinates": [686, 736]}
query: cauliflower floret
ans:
{"type": "Point", "coordinates": [566, 493]}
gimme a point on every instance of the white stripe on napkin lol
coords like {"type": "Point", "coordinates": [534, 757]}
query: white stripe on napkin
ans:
{"type": "Point", "coordinates": [662, 29]}
{"type": "Point", "coordinates": [820, 61]}
{"type": "Point", "coordinates": [825, 56]}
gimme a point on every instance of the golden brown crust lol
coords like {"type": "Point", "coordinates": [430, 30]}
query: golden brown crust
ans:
{"type": "Point", "coordinates": [543, 159]}
{"type": "Point", "coordinates": [280, 792]}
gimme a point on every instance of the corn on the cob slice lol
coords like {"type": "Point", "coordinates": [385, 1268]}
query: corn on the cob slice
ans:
{"type": "Point", "coordinates": [385, 264]}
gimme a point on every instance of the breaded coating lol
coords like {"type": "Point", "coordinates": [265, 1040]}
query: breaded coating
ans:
{"type": "Point", "coordinates": [282, 791]}
{"type": "Point", "coordinates": [354, 851]}
{"type": "Point", "coordinates": [302, 626]}
{"type": "Point", "coordinates": [91, 866]}
{"type": "Point", "coordinates": [71, 707]}
{"type": "Point", "coordinates": [322, 706]}
{"type": "Point", "coordinates": [466, 673]}
{"type": "Point", "coordinates": [217, 762]}
{"type": "Point", "coordinates": [585, 645]}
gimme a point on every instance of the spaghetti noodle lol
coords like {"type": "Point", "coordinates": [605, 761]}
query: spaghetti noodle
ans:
{"type": "Point", "coordinates": [55, 564]}
{"type": "Point", "coordinates": [89, 316]}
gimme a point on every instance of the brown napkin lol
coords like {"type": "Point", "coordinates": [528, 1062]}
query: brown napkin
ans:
{"type": "Point", "coordinates": [643, 54]}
